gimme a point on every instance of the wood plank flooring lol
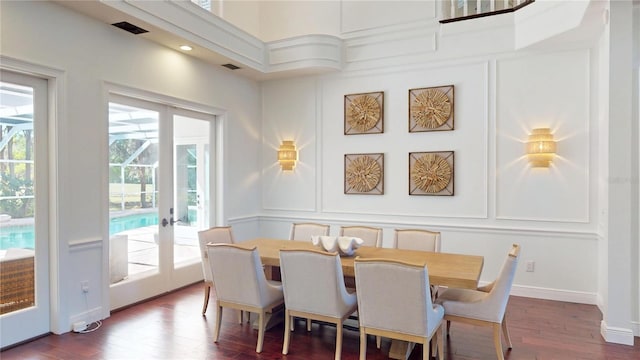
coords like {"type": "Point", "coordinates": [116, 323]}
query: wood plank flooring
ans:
{"type": "Point", "coordinates": [171, 327]}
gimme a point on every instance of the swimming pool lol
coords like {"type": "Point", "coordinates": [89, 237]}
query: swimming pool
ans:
{"type": "Point", "coordinates": [23, 236]}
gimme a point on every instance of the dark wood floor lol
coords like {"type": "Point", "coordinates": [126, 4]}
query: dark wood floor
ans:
{"type": "Point", "coordinates": [171, 327]}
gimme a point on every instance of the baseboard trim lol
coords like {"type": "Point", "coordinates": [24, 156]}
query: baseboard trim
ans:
{"type": "Point", "coordinates": [616, 335]}
{"type": "Point", "coordinates": [579, 297]}
{"type": "Point", "coordinates": [635, 325]}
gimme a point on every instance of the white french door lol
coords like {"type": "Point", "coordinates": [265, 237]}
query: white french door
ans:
{"type": "Point", "coordinates": [160, 194]}
{"type": "Point", "coordinates": [24, 201]}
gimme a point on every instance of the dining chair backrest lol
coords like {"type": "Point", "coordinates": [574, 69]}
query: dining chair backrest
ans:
{"type": "Point", "coordinates": [238, 275]}
{"type": "Point", "coordinates": [313, 282]}
{"type": "Point", "coordinates": [496, 302]}
{"type": "Point", "coordinates": [372, 236]}
{"type": "Point", "coordinates": [385, 302]}
{"type": "Point", "coordinates": [214, 235]}
{"type": "Point", "coordinates": [415, 239]}
{"type": "Point", "coordinates": [304, 231]}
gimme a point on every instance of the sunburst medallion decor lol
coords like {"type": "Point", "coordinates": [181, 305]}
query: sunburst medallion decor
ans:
{"type": "Point", "coordinates": [431, 173]}
{"type": "Point", "coordinates": [363, 113]}
{"type": "Point", "coordinates": [431, 109]}
{"type": "Point", "coordinates": [363, 174]}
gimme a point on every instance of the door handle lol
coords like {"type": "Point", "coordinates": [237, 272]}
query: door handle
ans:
{"type": "Point", "coordinates": [166, 222]}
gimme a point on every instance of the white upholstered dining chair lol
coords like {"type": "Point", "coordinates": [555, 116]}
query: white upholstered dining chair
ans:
{"type": "Point", "coordinates": [314, 288]}
{"type": "Point", "coordinates": [372, 236]}
{"type": "Point", "coordinates": [416, 239]}
{"type": "Point", "coordinates": [485, 306]}
{"type": "Point", "coordinates": [214, 235]}
{"type": "Point", "coordinates": [304, 231]}
{"type": "Point", "coordinates": [397, 309]}
{"type": "Point", "coordinates": [241, 284]}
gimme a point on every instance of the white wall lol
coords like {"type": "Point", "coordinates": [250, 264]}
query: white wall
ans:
{"type": "Point", "coordinates": [286, 19]}
{"type": "Point", "coordinates": [91, 53]}
{"type": "Point", "coordinates": [498, 198]}
{"type": "Point", "coordinates": [368, 15]}
{"type": "Point", "coordinates": [241, 13]}
{"type": "Point", "coordinates": [636, 102]}
{"type": "Point", "coordinates": [621, 237]}
{"type": "Point", "coordinates": [277, 20]}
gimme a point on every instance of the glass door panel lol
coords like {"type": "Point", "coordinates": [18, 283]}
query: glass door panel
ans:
{"type": "Point", "coordinates": [133, 210]}
{"type": "Point", "coordinates": [191, 142]}
{"type": "Point", "coordinates": [159, 197]}
{"type": "Point", "coordinates": [24, 227]}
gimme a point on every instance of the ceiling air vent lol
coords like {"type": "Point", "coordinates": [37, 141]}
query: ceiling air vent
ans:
{"type": "Point", "coordinates": [127, 26]}
{"type": "Point", "coordinates": [231, 66]}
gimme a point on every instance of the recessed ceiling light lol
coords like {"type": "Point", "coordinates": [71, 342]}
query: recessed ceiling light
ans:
{"type": "Point", "coordinates": [186, 47]}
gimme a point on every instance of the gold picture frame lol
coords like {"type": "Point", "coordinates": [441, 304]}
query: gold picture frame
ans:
{"type": "Point", "coordinates": [431, 173]}
{"type": "Point", "coordinates": [364, 113]}
{"type": "Point", "coordinates": [364, 174]}
{"type": "Point", "coordinates": [431, 109]}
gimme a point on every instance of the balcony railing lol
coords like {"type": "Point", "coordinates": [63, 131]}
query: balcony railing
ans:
{"type": "Point", "coordinates": [457, 10]}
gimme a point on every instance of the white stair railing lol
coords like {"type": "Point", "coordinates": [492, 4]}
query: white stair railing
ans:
{"type": "Point", "coordinates": [454, 10]}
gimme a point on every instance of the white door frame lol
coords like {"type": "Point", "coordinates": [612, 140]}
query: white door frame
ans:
{"type": "Point", "coordinates": [177, 107]}
{"type": "Point", "coordinates": [42, 318]}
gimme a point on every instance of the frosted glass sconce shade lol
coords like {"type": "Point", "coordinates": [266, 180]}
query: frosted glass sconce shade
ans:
{"type": "Point", "coordinates": [287, 155]}
{"type": "Point", "coordinates": [541, 147]}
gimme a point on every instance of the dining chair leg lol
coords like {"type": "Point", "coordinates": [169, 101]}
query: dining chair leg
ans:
{"type": "Point", "coordinates": [448, 327]}
{"type": "Point", "coordinates": [216, 333]}
{"type": "Point", "coordinates": [207, 290]}
{"type": "Point", "coordinates": [433, 344]}
{"type": "Point", "coordinates": [378, 341]}
{"type": "Point", "coordinates": [240, 316]}
{"type": "Point", "coordinates": [441, 343]}
{"type": "Point", "coordinates": [287, 332]}
{"type": "Point", "coordinates": [308, 324]}
{"type": "Point", "coordinates": [339, 340]}
{"type": "Point", "coordinates": [497, 341]}
{"type": "Point", "coordinates": [505, 332]}
{"type": "Point", "coordinates": [363, 344]}
{"type": "Point", "coordinates": [425, 350]}
{"type": "Point", "coordinates": [260, 331]}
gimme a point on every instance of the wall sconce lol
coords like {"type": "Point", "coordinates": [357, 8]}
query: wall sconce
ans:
{"type": "Point", "coordinates": [287, 155]}
{"type": "Point", "coordinates": [541, 148]}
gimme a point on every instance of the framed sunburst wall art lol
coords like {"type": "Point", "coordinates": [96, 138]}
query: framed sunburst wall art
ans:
{"type": "Point", "coordinates": [431, 109]}
{"type": "Point", "coordinates": [431, 173]}
{"type": "Point", "coordinates": [364, 113]}
{"type": "Point", "coordinates": [364, 174]}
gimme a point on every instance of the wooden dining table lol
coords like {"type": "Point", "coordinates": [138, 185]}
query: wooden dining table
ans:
{"type": "Point", "coordinates": [445, 269]}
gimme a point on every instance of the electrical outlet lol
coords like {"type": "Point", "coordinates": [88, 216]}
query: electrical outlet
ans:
{"type": "Point", "coordinates": [531, 265]}
{"type": "Point", "coordinates": [84, 285]}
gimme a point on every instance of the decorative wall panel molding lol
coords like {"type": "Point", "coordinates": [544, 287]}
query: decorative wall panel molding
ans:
{"type": "Point", "coordinates": [85, 244]}
{"type": "Point", "coordinates": [397, 44]}
{"type": "Point", "coordinates": [442, 225]}
{"type": "Point", "coordinates": [304, 52]}
{"type": "Point", "coordinates": [563, 192]}
{"type": "Point", "coordinates": [359, 16]}
{"type": "Point", "coordinates": [470, 141]}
